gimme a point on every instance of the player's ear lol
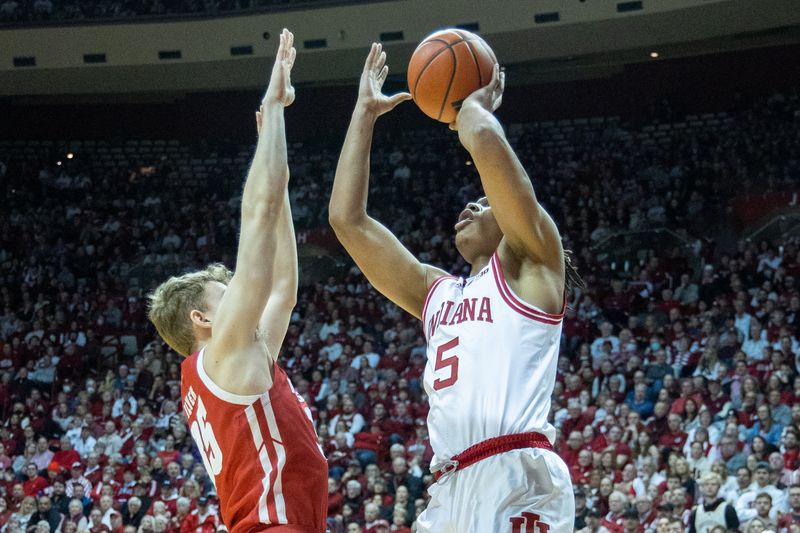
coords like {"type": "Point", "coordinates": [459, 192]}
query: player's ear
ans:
{"type": "Point", "coordinates": [200, 319]}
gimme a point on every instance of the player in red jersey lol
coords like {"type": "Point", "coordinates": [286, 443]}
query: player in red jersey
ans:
{"type": "Point", "coordinates": [254, 432]}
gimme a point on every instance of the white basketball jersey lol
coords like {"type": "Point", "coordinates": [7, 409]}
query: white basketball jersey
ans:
{"type": "Point", "coordinates": [491, 362]}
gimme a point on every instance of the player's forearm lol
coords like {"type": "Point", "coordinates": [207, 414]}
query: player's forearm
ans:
{"type": "Point", "coordinates": [284, 285]}
{"type": "Point", "coordinates": [269, 172]}
{"type": "Point", "coordinates": [348, 201]}
{"type": "Point", "coordinates": [282, 292]}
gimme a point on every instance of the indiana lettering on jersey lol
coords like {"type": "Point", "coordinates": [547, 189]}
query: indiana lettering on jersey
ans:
{"type": "Point", "coordinates": [467, 310]}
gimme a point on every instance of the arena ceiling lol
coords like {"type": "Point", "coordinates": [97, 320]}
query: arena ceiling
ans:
{"type": "Point", "coordinates": [588, 39]}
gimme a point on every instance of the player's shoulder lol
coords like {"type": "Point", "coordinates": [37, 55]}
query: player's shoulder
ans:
{"type": "Point", "coordinates": [434, 276]}
{"type": "Point", "coordinates": [436, 280]}
{"type": "Point", "coordinates": [532, 286]}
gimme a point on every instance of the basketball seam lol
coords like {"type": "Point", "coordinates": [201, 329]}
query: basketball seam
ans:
{"type": "Point", "coordinates": [485, 47]}
{"type": "Point", "coordinates": [477, 65]}
{"type": "Point", "coordinates": [452, 77]}
{"type": "Point", "coordinates": [437, 54]}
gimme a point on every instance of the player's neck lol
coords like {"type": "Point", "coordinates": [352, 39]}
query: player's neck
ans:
{"type": "Point", "coordinates": [478, 264]}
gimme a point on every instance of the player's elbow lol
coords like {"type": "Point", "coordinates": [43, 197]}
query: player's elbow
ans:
{"type": "Point", "coordinates": [342, 219]}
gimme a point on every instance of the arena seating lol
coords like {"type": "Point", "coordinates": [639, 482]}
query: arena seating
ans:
{"type": "Point", "coordinates": [676, 360]}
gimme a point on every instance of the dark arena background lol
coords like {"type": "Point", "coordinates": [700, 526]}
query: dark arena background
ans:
{"type": "Point", "coordinates": [662, 136]}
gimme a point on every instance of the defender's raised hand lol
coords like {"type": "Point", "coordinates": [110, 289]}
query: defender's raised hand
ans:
{"type": "Point", "coordinates": [280, 88]}
{"type": "Point", "coordinates": [370, 95]}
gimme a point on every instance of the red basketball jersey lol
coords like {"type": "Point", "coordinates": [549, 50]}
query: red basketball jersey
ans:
{"type": "Point", "coordinates": [260, 451]}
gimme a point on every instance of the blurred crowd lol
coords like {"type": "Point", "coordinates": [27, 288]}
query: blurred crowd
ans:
{"type": "Point", "coordinates": [677, 399]}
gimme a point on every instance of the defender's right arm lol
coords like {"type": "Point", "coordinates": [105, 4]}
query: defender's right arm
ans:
{"type": "Point", "coordinates": [241, 307]}
{"type": "Point", "coordinates": [386, 263]}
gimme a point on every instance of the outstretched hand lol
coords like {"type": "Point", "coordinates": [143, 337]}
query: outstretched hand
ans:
{"type": "Point", "coordinates": [488, 97]}
{"type": "Point", "coordinates": [280, 88]}
{"type": "Point", "coordinates": [370, 87]}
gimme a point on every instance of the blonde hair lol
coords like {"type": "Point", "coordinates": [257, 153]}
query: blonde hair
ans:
{"type": "Point", "coordinates": [173, 300]}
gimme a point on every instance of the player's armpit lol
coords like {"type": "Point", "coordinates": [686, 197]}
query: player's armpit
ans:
{"type": "Point", "coordinates": [386, 263]}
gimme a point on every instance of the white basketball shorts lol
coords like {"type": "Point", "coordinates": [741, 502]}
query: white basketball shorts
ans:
{"type": "Point", "coordinates": [521, 491]}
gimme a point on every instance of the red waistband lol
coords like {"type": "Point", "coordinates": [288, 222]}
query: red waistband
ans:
{"type": "Point", "coordinates": [491, 447]}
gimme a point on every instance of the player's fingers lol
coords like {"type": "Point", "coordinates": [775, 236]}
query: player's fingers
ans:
{"type": "Point", "coordinates": [382, 74]}
{"type": "Point", "coordinates": [370, 55]}
{"type": "Point", "coordinates": [381, 62]}
{"type": "Point", "coordinates": [496, 76]}
{"type": "Point", "coordinates": [497, 102]}
{"type": "Point", "coordinates": [377, 55]}
{"type": "Point", "coordinates": [399, 97]}
{"type": "Point", "coordinates": [292, 56]}
{"type": "Point", "coordinates": [289, 39]}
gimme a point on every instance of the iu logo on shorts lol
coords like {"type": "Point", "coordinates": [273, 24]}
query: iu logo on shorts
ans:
{"type": "Point", "coordinates": [528, 523]}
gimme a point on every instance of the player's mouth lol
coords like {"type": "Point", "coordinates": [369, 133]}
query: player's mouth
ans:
{"type": "Point", "coordinates": [464, 219]}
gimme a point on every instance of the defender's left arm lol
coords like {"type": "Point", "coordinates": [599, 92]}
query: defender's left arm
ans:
{"type": "Point", "coordinates": [282, 298]}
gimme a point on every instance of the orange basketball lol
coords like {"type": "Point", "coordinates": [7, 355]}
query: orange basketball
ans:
{"type": "Point", "coordinates": [447, 67]}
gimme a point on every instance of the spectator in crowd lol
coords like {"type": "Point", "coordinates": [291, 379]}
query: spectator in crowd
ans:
{"type": "Point", "coordinates": [46, 513]}
{"type": "Point", "coordinates": [791, 518]}
{"type": "Point", "coordinates": [714, 511]}
{"type": "Point", "coordinates": [76, 516]}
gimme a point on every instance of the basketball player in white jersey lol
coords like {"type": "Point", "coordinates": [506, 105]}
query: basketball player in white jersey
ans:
{"type": "Point", "coordinates": [492, 338]}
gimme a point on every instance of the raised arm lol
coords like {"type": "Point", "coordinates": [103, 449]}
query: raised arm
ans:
{"type": "Point", "coordinates": [386, 263]}
{"type": "Point", "coordinates": [529, 232]}
{"type": "Point", "coordinates": [283, 296]}
{"type": "Point", "coordinates": [241, 307]}
{"type": "Point", "coordinates": [283, 292]}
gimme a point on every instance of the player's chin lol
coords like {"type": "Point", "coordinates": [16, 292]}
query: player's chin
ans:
{"type": "Point", "coordinates": [459, 241]}
{"type": "Point", "coordinates": [464, 245]}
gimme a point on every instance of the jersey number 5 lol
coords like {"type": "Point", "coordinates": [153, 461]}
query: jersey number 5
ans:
{"type": "Point", "coordinates": [203, 435]}
{"type": "Point", "coordinates": [444, 362]}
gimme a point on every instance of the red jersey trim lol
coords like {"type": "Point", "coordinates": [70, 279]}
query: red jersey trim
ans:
{"type": "Point", "coordinates": [428, 296]}
{"type": "Point", "coordinates": [218, 391]}
{"type": "Point", "coordinates": [272, 456]}
{"type": "Point", "coordinates": [516, 304]}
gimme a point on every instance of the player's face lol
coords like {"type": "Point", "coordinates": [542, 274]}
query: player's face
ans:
{"type": "Point", "coordinates": [477, 231]}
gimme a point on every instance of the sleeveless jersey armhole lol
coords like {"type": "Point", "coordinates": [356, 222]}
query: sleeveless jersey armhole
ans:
{"type": "Point", "coordinates": [438, 281]}
{"type": "Point", "coordinates": [517, 304]}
